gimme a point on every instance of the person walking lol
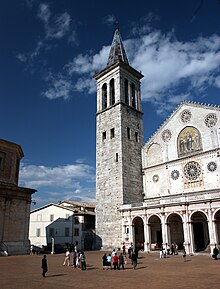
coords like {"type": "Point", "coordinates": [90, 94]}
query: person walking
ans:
{"type": "Point", "coordinates": [67, 258]}
{"type": "Point", "coordinates": [121, 261]}
{"type": "Point", "coordinates": [83, 261]}
{"type": "Point", "coordinates": [215, 252]}
{"type": "Point", "coordinates": [104, 262]}
{"type": "Point", "coordinates": [44, 265]}
{"type": "Point", "coordinates": [115, 262]}
{"type": "Point", "coordinates": [134, 259]}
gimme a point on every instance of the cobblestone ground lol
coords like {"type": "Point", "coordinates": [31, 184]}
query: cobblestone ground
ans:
{"type": "Point", "coordinates": [24, 272]}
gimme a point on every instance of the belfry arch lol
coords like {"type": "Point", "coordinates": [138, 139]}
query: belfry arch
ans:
{"type": "Point", "coordinates": [156, 241]}
{"type": "Point", "coordinates": [175, 230]}
{"type": "Point", "coordinates": [200, 231]}
{"type": "Point", "coordinates": [138, 226]}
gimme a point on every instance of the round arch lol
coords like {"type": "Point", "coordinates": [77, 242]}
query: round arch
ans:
{"type": "Point", "coordinates": [175, 230]}
{"type": "Point", "coordinates": [156, 240]}
{"type": "Point", "coordinates": [200, 230]}
{"type": "Point", "coordinates": [138, 226]}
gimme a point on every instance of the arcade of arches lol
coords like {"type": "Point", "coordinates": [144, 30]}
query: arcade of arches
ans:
{"type": "Point", "coordinates": [195, 231]}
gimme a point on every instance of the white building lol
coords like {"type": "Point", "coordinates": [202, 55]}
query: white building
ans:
{"type": "Point", "coordinates": [166, 191]}
{"type": "Point", "coordinates": [66, 223]}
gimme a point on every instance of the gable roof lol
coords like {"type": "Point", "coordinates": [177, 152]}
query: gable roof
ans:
{"type": "Point", "coordinates": [183, 103]}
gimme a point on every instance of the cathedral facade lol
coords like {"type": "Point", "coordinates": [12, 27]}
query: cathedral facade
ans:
{"type": "Point", "coordinates": [162, 192]}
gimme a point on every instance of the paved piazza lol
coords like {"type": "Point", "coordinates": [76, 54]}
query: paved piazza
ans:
{"type": "Point", "coordinates": [24, 272]}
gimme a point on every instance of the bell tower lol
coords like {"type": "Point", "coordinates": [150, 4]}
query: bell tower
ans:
{"type": "Point", "coordinates": [119, 139]}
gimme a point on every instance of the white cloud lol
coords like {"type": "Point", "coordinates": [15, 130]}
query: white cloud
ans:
{"type": "Point", "coordinates": [68, 176]}
{"type": "Point", "coordinates": [169, 66]}
{"type": "Point", "coordinates": [58, 87]}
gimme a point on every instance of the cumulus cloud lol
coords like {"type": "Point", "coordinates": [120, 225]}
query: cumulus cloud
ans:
{"type": "Point", "coordinates": [169, 66]}
{"type": "Point", "coordinates": [68, 176]}
{"type": "Point", "coordinates": [58, 86]}
{"type": "Point", "coordinates": [54, 184]}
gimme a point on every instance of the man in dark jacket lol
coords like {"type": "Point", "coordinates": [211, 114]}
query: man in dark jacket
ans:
{"type": "Point", "coordinates": [44, 265]}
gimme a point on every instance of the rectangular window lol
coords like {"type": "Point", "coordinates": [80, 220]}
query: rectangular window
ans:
{"type": "Point", "coordinates": [51, 218]}
{"type": "Point", "coordinates": [128, 132]}
{"type": "Point", "coordinates": [38, 232]}
{"type": "Point", "coordinates": [104, 135]}
{"type": "Point", "coordinates": [116, 157]}
{"type": "Point", "coordinates": [127, 230]}
{"type": "Point", "coordinates": [76, 220]}
{"type": "Point", "coordinates": [136, 137]}
{"type": "Point", "coordinates": [51, 232]}
{"type": "Point", "coordinates": [76, 232]}
{"type": "Point", "coordinates": [112, 133]}
{"type": "Point", "coordinates": [67, 232]}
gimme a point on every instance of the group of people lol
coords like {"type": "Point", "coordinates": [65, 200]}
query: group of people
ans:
{"type": "Point", "coordinates": [118, 261]}
{"type": "Point", "coordinates": [168, 250]}
{"type": "Point", "coordinates": [78, 257]}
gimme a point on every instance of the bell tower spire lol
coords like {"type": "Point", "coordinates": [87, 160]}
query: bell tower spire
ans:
{"type": "Point", "coordinates": [117, 52]}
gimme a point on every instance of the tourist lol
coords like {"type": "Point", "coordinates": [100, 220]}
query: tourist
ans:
{"type": "Point", "coordinates": [104, 262]}
{"type": "Point", "coordinates": [112, 257]}
{"type": "Point", "coordinates": [78, 259]}
{"type": "Point", "coordinates": [83, 261]}
{"type": "Point", "coordinates": [115, 262]}
{"type": "Point", "coordinates": [123, 249]}
{"type": "Point", "coordinates": [121, 261]}
{"type": "Point", "coordinates": [134, 259]}
{"type": "Point", "coordinates": [67, 258]}
{"type": "Point", "coordinates": [215, 252]}
{"type": "Point", "coordinates": [108, 263]}
{"type": "Point", "coordinates": [74, 258]}
{"type": "Point", "coordinates": [44, 265]}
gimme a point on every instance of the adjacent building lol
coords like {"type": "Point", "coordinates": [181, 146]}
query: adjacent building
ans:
{"type": "Point", "coordinates": [63, 224]}
{"type": "Point", "coordinates": [14, 202]}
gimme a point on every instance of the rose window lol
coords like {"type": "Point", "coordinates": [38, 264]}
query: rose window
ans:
{"type": "Point", "coordinates": [186, 116]}
{"type": "Point", "coordinates": [211, 120]}
{"type": "Point", "coordinates": [175, 174]}
{"type": "Point", "coordinates": [192, 170]}
{"type": "Point", "coordinates": [166, 135]}
{"type": "Point", "coordinates": [212, 166]}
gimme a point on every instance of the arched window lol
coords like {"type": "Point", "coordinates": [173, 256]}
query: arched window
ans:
{"type": "Point", "coordinates": [126, 91]}
{"type": "Point", "coordinates": [112, 91]}
{"type": "Point", "coordinates": [133, 97]}
{"type": "Point", "coordinates": [104, 96]}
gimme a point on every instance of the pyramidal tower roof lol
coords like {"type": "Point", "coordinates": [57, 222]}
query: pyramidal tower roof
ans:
{"type": "Point", "coordinates": [117, 51]}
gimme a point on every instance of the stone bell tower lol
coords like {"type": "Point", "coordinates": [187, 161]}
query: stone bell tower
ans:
{"type": "Point", "coordinates": [119, 139]}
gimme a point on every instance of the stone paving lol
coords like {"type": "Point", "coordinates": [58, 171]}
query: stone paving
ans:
{"type": "Point", "coordinates": [197, 272]}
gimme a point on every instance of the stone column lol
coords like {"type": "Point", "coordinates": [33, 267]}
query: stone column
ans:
{"type": "Point", "coordinates": [191, 236]}
{"type": "Point", "coordinates": [212, 235]}
{"type": "Point", "coordinates": [186, 233]}
{"type": "Point", "coordinates": [164, 230]}
{"type": "Point", "coordinates": [146, 235]}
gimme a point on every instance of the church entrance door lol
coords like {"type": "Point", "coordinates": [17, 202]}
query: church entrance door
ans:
{"type": "Point", "coordinates": [217, 226]}
{"type": "Point", "coordinates": [155, 232]}
{"type": "Point", "coordinates": [138, 232]}
{"type": "Point", "coordinates": [175, 226]}
{"type": "Point", "coordinates": [200, 231]}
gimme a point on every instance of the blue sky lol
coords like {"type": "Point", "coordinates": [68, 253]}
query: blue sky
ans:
{"type": "Point", "coordinates": [51, 49]}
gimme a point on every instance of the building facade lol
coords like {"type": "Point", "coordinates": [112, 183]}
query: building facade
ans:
{"type": "Point", "coordinates": [162, 192]}
{"type": "Point", "coordinates": [14, 202]}
{"type": "Point", "coordinates": [63, 224]}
